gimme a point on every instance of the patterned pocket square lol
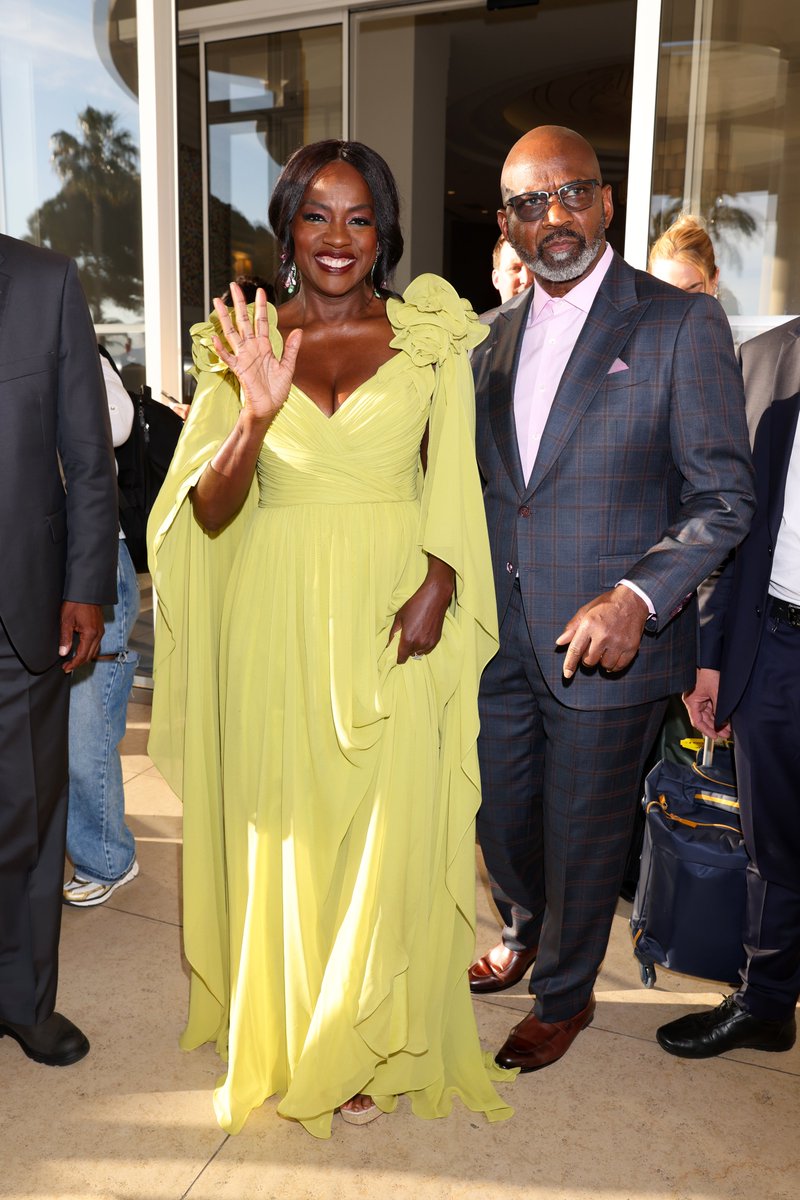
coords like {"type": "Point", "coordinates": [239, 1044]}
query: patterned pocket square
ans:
{"type": "Point", "coordinates": [617, 365]}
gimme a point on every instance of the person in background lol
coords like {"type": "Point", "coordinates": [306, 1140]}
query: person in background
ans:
{"type": "Point", "coordinates": [58, 530]}
{"type": "Point", "coordinates": [131, 365]}
{"type": "Point", "coordinates": [509, 274]}
{"type": "Point", "coordinates": [684, 256]}
{"type": "Point", "coordinates": [613, 447]}
{"type": "Point", "coordinates": [747, 679]}
{"type": "Point", "coordinates": [248, 286]}
{"type": "Point", "coordinates": [181, 408]}
{"type": "Point", "coordinates": [99, 843]}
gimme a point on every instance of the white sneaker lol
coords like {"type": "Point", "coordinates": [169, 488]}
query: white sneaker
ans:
{"type": "Point", "coordinates": [83, 893]}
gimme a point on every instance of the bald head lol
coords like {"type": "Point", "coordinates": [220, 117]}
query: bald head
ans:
{"type": "Point", "coordinates": [560, 236]}
{"type": "Point", "coordinates": [547, 153]}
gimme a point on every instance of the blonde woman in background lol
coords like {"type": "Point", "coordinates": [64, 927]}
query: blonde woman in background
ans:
{"type": "Point", "coordinates": [684, 257]}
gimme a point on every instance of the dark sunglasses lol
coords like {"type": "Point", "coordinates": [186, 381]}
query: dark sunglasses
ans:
{"type": "Point", "coordinates": [574, 196]}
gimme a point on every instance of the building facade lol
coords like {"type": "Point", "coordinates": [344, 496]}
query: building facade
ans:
{"type": "Point", "coordinates": [143, 137]}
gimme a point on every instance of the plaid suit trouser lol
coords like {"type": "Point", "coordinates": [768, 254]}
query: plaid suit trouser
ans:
{"type": "Point", "coordinates": [560, 788]}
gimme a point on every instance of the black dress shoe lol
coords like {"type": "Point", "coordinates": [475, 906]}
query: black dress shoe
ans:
{"type": "Point", "coordinates": [726, 1027]}
{"type": "Point", "coordinates": [55, 1042]}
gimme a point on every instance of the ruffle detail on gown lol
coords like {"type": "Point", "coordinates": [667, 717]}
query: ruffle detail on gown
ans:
{"type": "Point", "coordinates": [432, 322]}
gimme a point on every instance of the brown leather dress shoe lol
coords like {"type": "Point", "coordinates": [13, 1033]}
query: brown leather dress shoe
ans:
{"type": "Point", "coordinates": [501, 968]}
{"type": "Point", "coordinates": [534, 1044]}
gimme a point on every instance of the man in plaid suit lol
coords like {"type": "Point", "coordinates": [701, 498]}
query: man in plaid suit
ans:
{"type": "Point", "coordinates": [613, 446]}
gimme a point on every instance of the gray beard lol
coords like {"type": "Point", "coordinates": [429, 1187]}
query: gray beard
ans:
{"type": "Point", "coordinates": [564, 269]}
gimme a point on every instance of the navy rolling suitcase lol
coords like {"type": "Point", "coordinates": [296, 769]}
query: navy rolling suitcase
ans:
{"type": "Point", "coordinates": [689, 906]}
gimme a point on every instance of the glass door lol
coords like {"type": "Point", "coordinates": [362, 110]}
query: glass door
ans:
{"type": "Point", "coordinates": [444, 89]}
{"type": "Point", "coordinates": [726, 146]}
{"type": "Point", "coordinates": [265, 95]}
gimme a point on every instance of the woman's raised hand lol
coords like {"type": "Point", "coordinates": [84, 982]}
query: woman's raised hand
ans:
{"type": "Point", "coordinates": [265, 380]}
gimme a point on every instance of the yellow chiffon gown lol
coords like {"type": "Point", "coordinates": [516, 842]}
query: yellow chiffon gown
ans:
{"type": "Point", "coordinates": [330, 793]}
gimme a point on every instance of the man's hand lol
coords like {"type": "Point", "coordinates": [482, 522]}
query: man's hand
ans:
{"type": "Point", "coordinates": [701, 704]}
{"type": "Point", "coordinates": [87, 621]}
{"type": "Point", "coordinates": [605, 632]}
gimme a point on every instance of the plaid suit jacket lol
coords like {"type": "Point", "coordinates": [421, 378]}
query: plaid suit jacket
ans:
{"type": "Point", "coordinates": [642, 474]}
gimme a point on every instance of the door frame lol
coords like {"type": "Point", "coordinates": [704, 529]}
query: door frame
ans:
{"type": "Point", "coordinates": [646, 58]}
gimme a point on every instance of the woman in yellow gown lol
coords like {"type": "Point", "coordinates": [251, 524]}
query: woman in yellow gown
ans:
{"type": "Point", "coordinates": [325, 610]}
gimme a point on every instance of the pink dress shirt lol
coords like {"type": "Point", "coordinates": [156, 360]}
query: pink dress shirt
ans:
{"type": "Point", "coordinates": [547, 343]}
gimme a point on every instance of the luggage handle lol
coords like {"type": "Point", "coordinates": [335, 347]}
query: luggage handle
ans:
{"type": "Point", "coordinates": [706, 760]}
{"type": "Point", "coordinates": [704, 748]}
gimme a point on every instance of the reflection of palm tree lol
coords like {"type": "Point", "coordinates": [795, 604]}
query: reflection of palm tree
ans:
{"type": "Point", "coordinates": [95, 217]}
{"type": "Point", "coordinates": [724, 221]}
{"type": "Point", "coordinates": [101, 167]}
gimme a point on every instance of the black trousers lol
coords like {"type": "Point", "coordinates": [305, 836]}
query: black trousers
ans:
{"type": "Point", "coordinates": [33, 817]}
{"type": "Point", "coordinates": [766, 727]}
{"type": "Point", "coordinates": [560, 789]}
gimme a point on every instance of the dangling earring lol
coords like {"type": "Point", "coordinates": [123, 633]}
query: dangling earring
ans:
{"type": "Point", "coordinates": [291, 274]}
{"type": "Point", "coordinates": [375, 287]}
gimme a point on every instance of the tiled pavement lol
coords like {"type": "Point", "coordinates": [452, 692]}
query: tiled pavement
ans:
{"type": "Point", "coordinates": [616, 1119]}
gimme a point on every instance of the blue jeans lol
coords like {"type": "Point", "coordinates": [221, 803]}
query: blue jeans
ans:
{"type": "Point", "coordinates": [99, 842]}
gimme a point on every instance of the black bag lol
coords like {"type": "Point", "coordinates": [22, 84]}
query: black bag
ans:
{"type": "Point", "coordinates": [689, 907]}
{"type": "Point", "coordinates": [143, 461]}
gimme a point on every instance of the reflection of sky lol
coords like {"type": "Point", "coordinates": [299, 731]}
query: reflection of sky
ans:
{"type": "Point", "coordinates": [242, 172]}
{"type": "Point", "coordinates": [741, 259]}
{"type": "Point", "coordinates": [49, 72]}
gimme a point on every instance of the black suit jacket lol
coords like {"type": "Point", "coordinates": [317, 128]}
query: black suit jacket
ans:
{"type": "Point", "coordinates": [642, 473]}
{"type": "Point", "coordinates": [735, 610]}
{"type": "Point", "coordinates": [59, 538]}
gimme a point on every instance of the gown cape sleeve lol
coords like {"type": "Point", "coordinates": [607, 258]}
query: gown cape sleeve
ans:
{"type": "Point", "coordinates": [190, 568]}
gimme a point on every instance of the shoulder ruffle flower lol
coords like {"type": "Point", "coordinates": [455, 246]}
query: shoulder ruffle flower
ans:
{"type": "Point", "coordinates": [204, 356]}
{"type": "Point", "coordinates": [432, 320]}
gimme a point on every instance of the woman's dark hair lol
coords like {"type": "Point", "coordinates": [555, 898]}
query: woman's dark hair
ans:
{"type": "Point", "coordinates": [293, 182]}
